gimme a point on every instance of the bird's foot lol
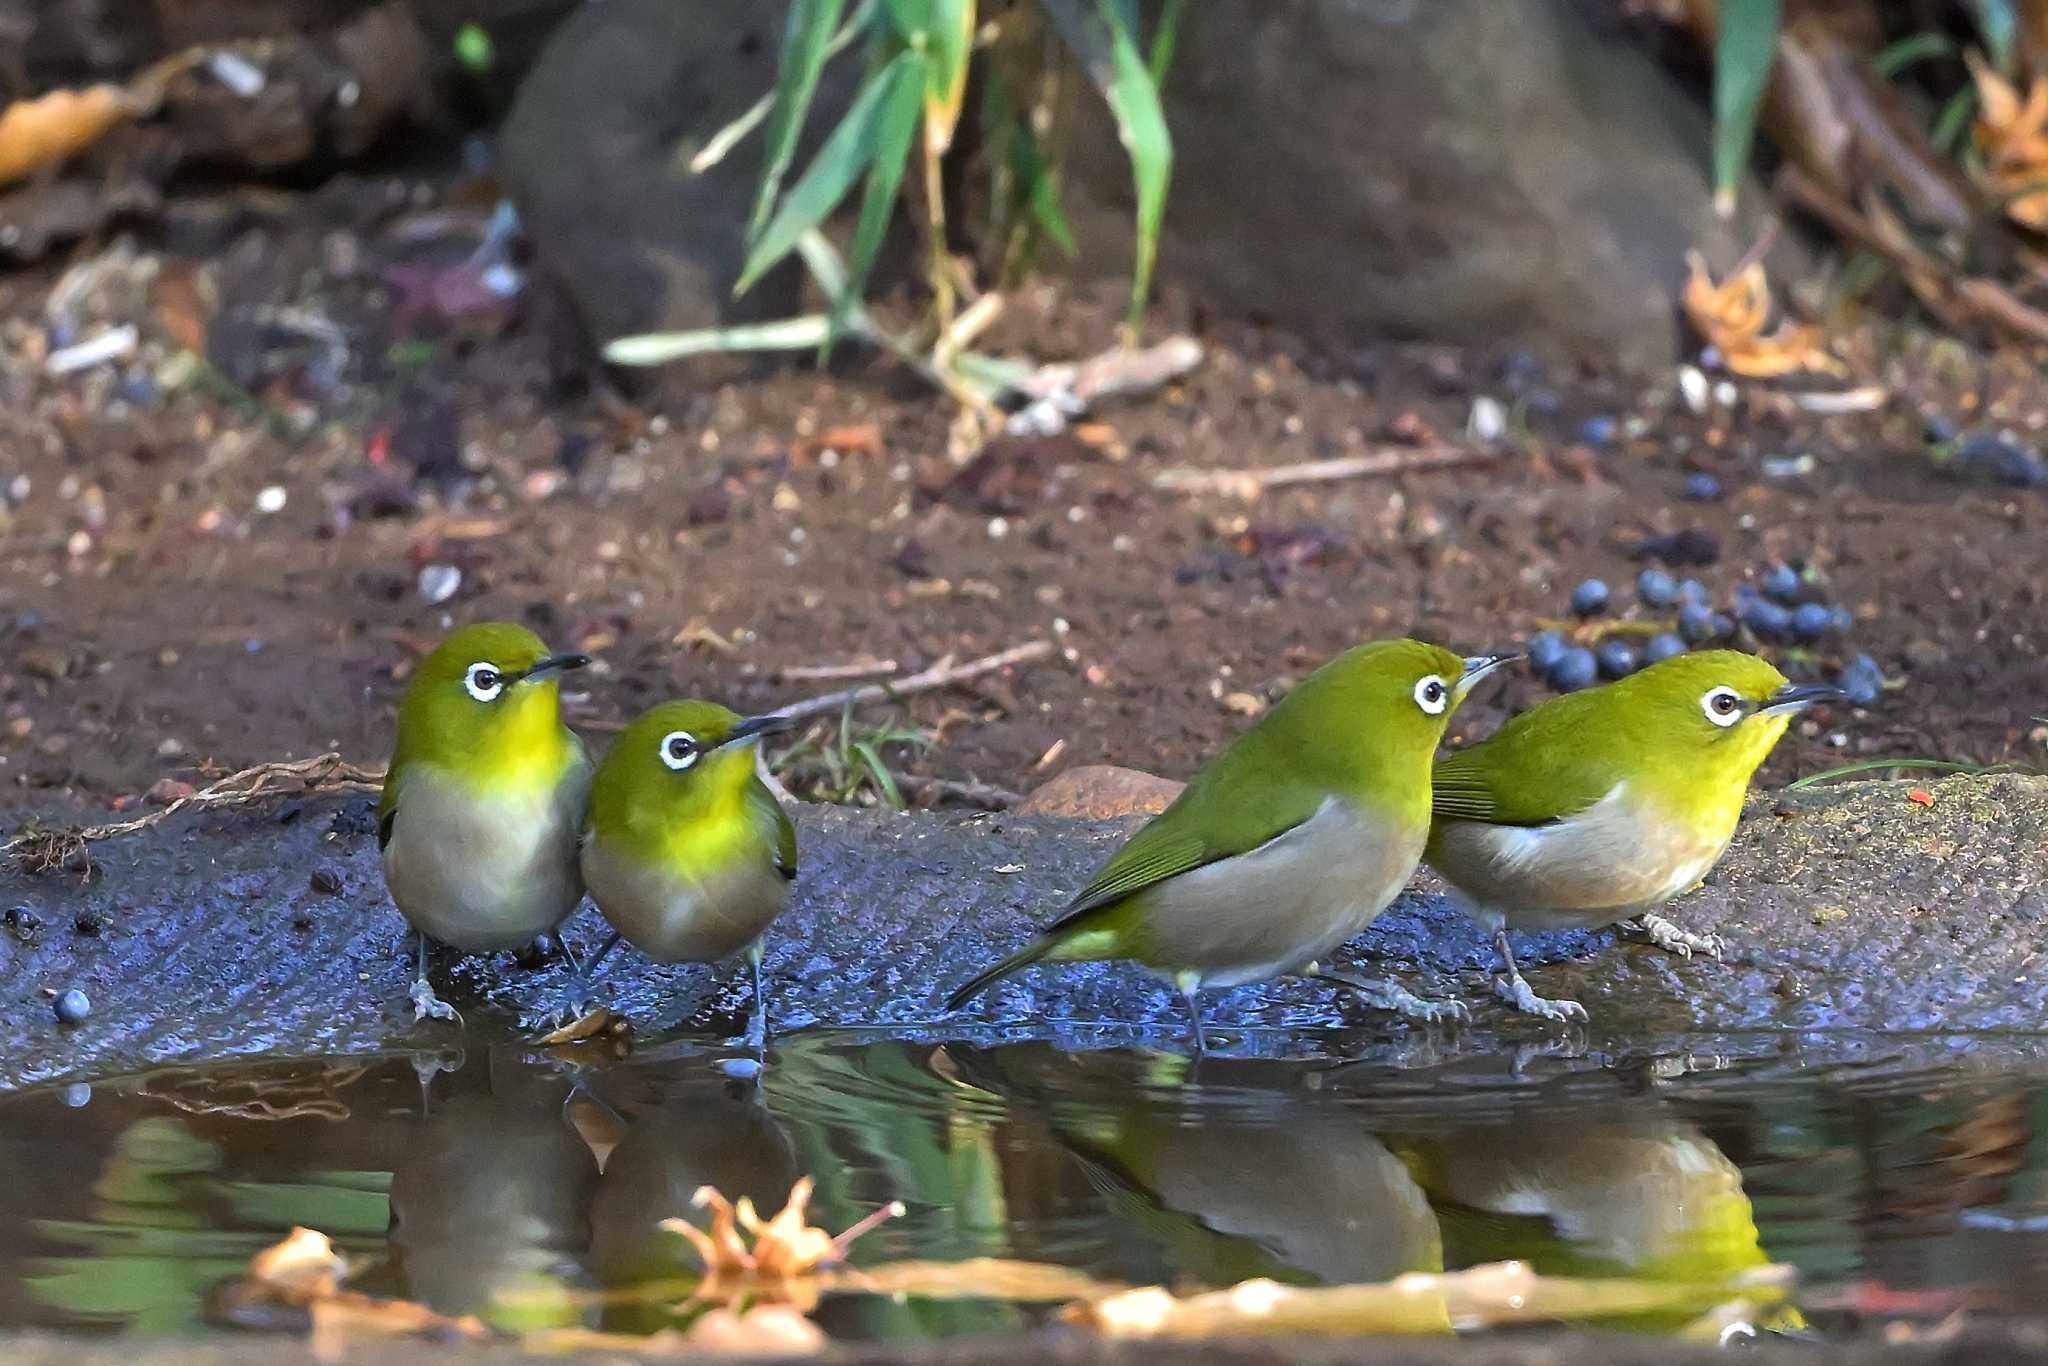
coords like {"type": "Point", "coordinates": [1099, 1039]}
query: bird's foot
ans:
{"type": "Point", "coordinates": [1668, 937]}
{"type": "Point", "coordinates": [1517, 992]}
{"type": "Point", "coordinates": [426, 1005]}
{"type": "Point", "coordinates": [1382, 994]}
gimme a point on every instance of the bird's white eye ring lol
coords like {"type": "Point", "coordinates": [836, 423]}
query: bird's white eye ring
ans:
{"type": "Point", "coordinates": [1722, 705]}
{"type": "Point", "coordinates": [1431, 695]}
{"type": "Point", "coordinates": [484, 680]}
{"type": "Point", "coordinates": [679, 749]}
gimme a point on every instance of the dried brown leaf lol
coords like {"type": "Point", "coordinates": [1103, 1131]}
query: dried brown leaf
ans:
{"type": "Point", "coordinates": [786, 1249]}
{"type": "Point", "coordinates": [598, 1021]}
{"type": "Point", "coordinates": [302, 1268]}
{"type": "Point", "coordinates": [1732, 315]}
{"type": "Point", "coordinates": [55, 127]}
{"type": "Point", "coordinates": [2012, 134]}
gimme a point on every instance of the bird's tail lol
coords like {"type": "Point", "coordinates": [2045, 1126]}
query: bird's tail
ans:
{"type": "Point", "coordinates": [1024, 957]}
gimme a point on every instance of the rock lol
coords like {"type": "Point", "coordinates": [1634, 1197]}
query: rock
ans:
{"type": "Point", "coordinates": [1098, 792]}
{"type": "Point", "coordinates": [1449, 170]}
{"type": "Point", "coordinates": [589, 153]}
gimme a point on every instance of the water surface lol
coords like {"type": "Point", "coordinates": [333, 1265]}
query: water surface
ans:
{"type": "Point", "coordinates": [525, 1187]}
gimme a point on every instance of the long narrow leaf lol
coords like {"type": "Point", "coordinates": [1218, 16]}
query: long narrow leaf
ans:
{"type": "Point", "coordinates": [1099, 37]}
{"type": "Point", "coordinates": [1999, 23]}
{"type": "Point", "coordinates": [952, 39]}
{"type": "Point", "coordinates": [1744, 48]}
{"type": "Point", "coordinates": [839, 163]}
{"type": "Point", "coordinates": [725, 139]}
{"type": "Point", "coordinates": [1039, 188]}
{"type": "Point", "coordinates": [913, 20]}
{"type": "Point", "coordinates": [805, 42]}
{"type": "Point", "coordinates": [895, 130]}
{"type": "Point", "coordinates": [884, 780]}
{"type": "Point", "coordinates": [1164, 39]}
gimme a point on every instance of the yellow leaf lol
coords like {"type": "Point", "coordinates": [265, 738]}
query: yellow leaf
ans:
{"type": "Point", "coordinates": [57, 126]}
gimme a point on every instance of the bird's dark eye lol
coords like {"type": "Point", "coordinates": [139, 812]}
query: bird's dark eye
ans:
{"type": "Point", "coordinates": [484, 682]}
{"type": "Point", "coordinates": [1431, 695]}
{"type": "Point", "coordinates": [679, 749]}
{"type": "Point", "coordinates": [1723, 706]}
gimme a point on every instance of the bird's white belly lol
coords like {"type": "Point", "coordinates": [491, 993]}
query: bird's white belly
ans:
{"type": "Point", "coordinates": [1291, 900]}
{"type": "Point", "coordinates": [485, 874]}
{"type": "Point", "coordinates": [1612, 860]}
{"type": "Point", "coordinates": [683, 920]}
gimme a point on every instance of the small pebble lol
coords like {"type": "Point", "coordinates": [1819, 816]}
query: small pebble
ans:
{"type": "Point", "coordinates": [78, 1095]}
{"type": "Point", "coordinates": [326, 881]}
{"type": "Point", "coordinates": [1488, 422]}
{"type": "Point", "coordinates": [1590, 597]}
{"type": "Point", "coordinates": [1545, 649]}
{"type": "Point", "coordinates": [1656, 588]}
{"type": "Point", "coordinates": [1663, 647]}
{"type": "Point", "coordinates": [271, 500]}
{"type": "Point", "coordinates": [1575, 669]}
{"type": "Point", "coordinates": [439, 582]}
{"type": "Point", "coordinates": [744, 1069]}
{"type": "Point", "coordinates": [1702, 488]}
{"type": "Point", "coordinates": [1615, 658]}
{"type": "Point", "coordinates": [72, 1007]}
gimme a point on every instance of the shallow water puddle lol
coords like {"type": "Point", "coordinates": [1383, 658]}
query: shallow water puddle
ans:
{"type": "Point", "coordinates": [525, 1188]}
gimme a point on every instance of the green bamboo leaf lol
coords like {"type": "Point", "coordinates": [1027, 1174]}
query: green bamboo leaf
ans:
{"type": "Point", "coordinates": [1040, 187]}
{"type": "Point", "coordinates": [839, 163]}
{"type": "Point", "coordinates": [1918, 47]}
{"type": "Point", "coordinates": [913, 20]}
{"type": "Point", "coordinates": [884, 780]}
{"type": "Point", "coordinates": [951, 43]}
{"type": "Point", "coordinates": [1998, 22]}
{"type": "Point", "coordinates": [1744, 49]}
{"type": "Point", "coordinates": [659, 348]}
{"type": "Point", "coordinates": [895, 130]}
{"type": "Point", "coordinates": [1163, 40]}
{"type": "Point", "coordinates": [806, 40]}
{"type": "Point", "coordinates": [1100, 38]}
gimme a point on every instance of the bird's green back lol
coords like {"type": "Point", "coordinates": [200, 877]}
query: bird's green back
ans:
{"type": "Point", "coordinates": [1648, 729]}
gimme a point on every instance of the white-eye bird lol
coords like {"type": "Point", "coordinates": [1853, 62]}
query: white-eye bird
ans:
{"type": "Point", "coordinates": [1598, 806]}
{"type": "Point", "coordinates": [686, 852]}
{"type": "Point", "coordinates": [483, 799]}
{"type": "Point", "coordinates": [1286, 845]}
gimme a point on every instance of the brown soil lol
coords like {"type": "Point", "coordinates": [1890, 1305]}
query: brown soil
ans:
{"type": "Point", "coordinates": [703, 548]}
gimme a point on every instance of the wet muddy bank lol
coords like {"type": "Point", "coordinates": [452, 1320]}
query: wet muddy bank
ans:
{"type": "Point", "coordinates": [1865, 907]}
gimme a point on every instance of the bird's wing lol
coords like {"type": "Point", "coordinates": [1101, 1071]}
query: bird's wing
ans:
{"type": "Point", "coordinates": [387, 803]}
{"type": "Point", "coordinates": [764, 802]}
{"type": "Point", "coordinates": [1542, 766]}
{"type": "Point", "coordinates": [1212, 820]}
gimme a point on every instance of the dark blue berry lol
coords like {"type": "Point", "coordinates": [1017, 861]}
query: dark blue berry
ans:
{"type": "Point", "coordinates": [1840, 621]}
{"type": "Point", "coordinates": [1576, 668]}
{"type": "Point", "coordinates": [1810, 621]}
{"type": "Point", "coordinates": [1545, 649]}
{"type": "Point", "coordinates": [1766, 620]}
{"type": "Point", "coordinates": [72, 1007]}
{"type": "Point", "coordinates": [1696, 624]}
{"type": "Point", "coordinates": [1656, 588]}
{"type": "Point", "coordinates": [1663, 647]}
{"type": "Point", "coordinates": [1597, 431]}
{"type": "Point", "coordinates": [1590, 597]}
{"type": "Point", "coordinates": [1863, 681]}
{"type": "Point", "coordinates": [1782, 583]}
{"type": "Point", "coordinates": [1940, 430]}
{"type": "Point", "coordinates": [1692, 590]}
{"type": "Point", "coordinates": [1615, 658]}
{"type": "Point", "coordinates": [1724, 626]}
{"type": "Point", "coordinates": [1702, 488]}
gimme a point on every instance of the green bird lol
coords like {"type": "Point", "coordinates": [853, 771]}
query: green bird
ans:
{"type": "Point", "coordinates": [483, 798]}
{"type": "Point", "coordinates": [685, 850]}
{"type": "Point", "coordinates": [1596, 807]}
{"type": "Point", "coordinates": [1285, 846]}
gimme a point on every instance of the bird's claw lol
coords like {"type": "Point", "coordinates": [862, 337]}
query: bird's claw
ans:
{"type": "Point", "coordinates": [1392, 996]}
{"type": "Point", "coordinates": [1670, 938]}
{"type": "Point", "coordinates": [426, 1005]}
{"type": "Point", "coordinates": [1517, 992]}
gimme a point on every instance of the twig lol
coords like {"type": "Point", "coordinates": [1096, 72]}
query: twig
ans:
{"type": "Point", "coordinates": [973, 793]}
{"type": "Point", "coordinates": [821, 673]}
{"type": "Point", "coordinates": [1249, 484]}
{"type": "Point", "coordinates": [940, 675]}
{"type": "Point", "coordinates": [40, 850]}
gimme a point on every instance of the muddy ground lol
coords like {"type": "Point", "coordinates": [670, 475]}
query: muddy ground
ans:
{"type": "Point", "coordinates": [155, 618]}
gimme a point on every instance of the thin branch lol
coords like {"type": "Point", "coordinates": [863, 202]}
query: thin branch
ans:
{"type": "Point", "coordinates": [940, 675]}
{"type": "Point", "coordinates": [826, 673]}
{"type": "Point", "coordinates": [973, 793]}
{"type": "Point", "coordinates": [1249, 484]}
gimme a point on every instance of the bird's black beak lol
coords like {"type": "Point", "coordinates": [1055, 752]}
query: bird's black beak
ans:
{"type": "Point", "coordinates": [1797, 697]}
{"type": "Point", "coordinates": [756, 727]}
{"type": "Point", "coordinates": [554, 664]}
{"type": "Point", "coordinates": [1478, 667]}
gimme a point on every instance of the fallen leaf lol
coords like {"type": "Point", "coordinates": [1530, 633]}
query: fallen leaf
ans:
{"type": "Point", "coordinates": [304, 1271]}
{"type": "Point", "coordinates": [598, 1021]}
{"type": "Point", "coordinates": [864, 438]}
{"type": "Point", "coordinates": [785, 1248]}
{"type": "Point", "coordinates": [1731, 317]}
{"type": "Point", "coordinates": [302, 1268]}
{"type": "Point", "coordinates": [54, 127]}
{"type": "Point", "coordinates": [1920, 796]}
{"type": "Point", "coordinates": [2012, 134]}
